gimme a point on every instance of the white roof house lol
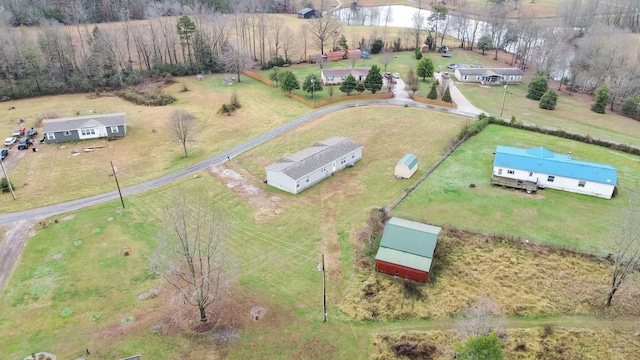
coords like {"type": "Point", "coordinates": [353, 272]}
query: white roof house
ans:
{"type": "Point", "coordinates": [298, 171]}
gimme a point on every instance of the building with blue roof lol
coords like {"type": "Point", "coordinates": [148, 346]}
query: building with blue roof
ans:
{"type": "Point", "coordinates": [538, 167]}
{"type": "Point", "coordinates": [406, 167]}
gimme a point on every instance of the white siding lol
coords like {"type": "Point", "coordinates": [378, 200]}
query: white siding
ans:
{"type": "Point", "coordinates": [559, 183]}
{"type": "Point", "coordinates": [281, 181]}
{"type": "Point", "coordinates": [403, 171]}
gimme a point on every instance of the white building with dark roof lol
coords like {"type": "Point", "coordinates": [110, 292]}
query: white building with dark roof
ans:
{"type": "Point", "coordinates": [301, 170]}
{"type": "Point", "coordinates": [84, 127]}
{"type": "Point", "coordinates": [338, 76]}
{"type": "Point", "coordinates": [486, 76]}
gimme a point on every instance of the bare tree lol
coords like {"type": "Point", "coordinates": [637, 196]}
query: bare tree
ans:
{"type": "Point", "coordinates": [192, 255]}
{"type": "Point", "coordinates": [386, 58]}
{"type": "Point", "coordinates": [497, 21]}
{"type": "Point", "coordinates": [323, 28]}
{"type": "Point", "coordinates": [480, 318]}
{"type": "Point", "coordinates": [304, 36]}
{"type": "Point", "coordinates": [626, 254]}
{"type": "Point", "coordinates": [417, 20]}
{"type": "Point", "coordinates": [183, 125]}
{"type": "Point", "coordinates": [234, 60]}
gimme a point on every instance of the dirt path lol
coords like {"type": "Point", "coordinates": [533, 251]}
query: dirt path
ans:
{"type": "Point", "coordinates": [15, 238]}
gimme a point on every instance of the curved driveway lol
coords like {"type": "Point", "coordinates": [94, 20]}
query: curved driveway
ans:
{"type": "Point", "coordinates": [217, 159]}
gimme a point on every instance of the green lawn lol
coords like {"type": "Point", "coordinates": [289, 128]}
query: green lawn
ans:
{"type": "Point", "coordinates": [550, 216]}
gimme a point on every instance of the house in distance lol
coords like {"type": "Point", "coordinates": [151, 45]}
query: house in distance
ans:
{"type": "Point", "coordinates": [307, 13]}
{"type": "Point", "coordinates": [301, 170]}
{"type": "Point", "coordinates": [338, 76]}
{"type": "Point", "coordinates": [406, 249]}
{"type": "Point", "coordinates": [84, 127]}
{"type": "Point", "coordinates": [406, 167]}
{"type": "Point", "coordinates": [486, 76]}
{"type": "Point", "coordinates": [538, 167]}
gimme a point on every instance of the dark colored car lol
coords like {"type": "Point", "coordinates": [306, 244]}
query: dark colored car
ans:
{"type": "Point", "coordinates": [32, 132]}
{"type": "Point", "coordinates": [3, 153]}
{"type": "Point", "coordinates": [24, 143]}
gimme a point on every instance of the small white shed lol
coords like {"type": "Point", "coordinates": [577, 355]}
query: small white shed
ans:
{"type": "Point", "coordinates": [407, 166]}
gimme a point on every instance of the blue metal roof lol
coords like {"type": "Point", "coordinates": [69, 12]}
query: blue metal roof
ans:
{"type": "Point", "coordinates": [410, 160]}
{"type": "Point", "coordinates": [541, 160]}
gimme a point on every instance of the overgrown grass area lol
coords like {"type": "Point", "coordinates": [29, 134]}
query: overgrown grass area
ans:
{"type": "Point", "coordinates": [522, 279]}
{"type": "Point", "coordinates": [550, 216]}
{"type": "Point", "coordinates": [538, 343]}
{"type": "Point", "coordinates": [571, 114]}
{"type": "Point", "coordinates": [149, 150]}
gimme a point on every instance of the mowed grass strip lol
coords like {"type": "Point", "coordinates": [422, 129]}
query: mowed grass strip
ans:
{"type": "Point", "coordinates": [523, 279]}
{"type": "Point", "coordinates": [551, 216]}
{"type": "Point", "coordinates": [55, 174]}
{"type": "Point", "coordinates": [536, 343]}
{"type": "Point", "coordinates": [572, 113]}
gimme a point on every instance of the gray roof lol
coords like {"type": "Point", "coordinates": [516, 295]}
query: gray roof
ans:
{"type": "Point", "coordinates": [320, 154]}
{"type": "Point", "coordinates": [79, 122]}
{"type": "Point", "coordinates": [304, 11]}
{"type": "Point", "coordinates": [345, 72]}
{"type": "Point", "coordinates": [482, 71]}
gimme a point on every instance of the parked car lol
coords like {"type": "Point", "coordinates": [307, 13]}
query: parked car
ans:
{"type": "Point", "coordinates": [24, 143]}
{"type": "Point", "coordinates": [32, 132]}
{"type": "Point", "coordinates": [3, 153]}
{"type": "Point", "coordinates": [9, 141]}
{"type": "Point", "coordinates": [18, 132]}
{"type": "Point", "coordinates": [396, 75]}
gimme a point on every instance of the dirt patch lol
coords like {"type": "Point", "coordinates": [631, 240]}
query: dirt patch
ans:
{"type": "Point", "coordinates": [267, 206]}
{"type": "Point", "coordinates": [15, 237]}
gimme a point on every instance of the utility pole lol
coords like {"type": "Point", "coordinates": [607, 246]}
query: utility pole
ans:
{"type": "Point", "coordinates": [117, 183]}
{"type": "Point", "coordinates": [324, 289]}
{"type": "Point", "coordinates": [6, 177]}
{"type": "Point", "coordinates": [504, 97]}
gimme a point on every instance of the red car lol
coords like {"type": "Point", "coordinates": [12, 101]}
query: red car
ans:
{"type": "Point", "coordinates": [18, 132]}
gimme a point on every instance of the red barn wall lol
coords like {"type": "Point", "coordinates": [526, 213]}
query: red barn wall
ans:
{"type": "Point", "coordinates": [401, 271]}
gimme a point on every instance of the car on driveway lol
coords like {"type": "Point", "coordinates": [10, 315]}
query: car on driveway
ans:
{"type": "Point", "coordinates": [32, 132]}
{"type": "Point", "coordinates": [24, 143]}
{"type": "Point", "coordinates": [18, 132]}
{"type": "Point", "coordinates": [3, 153]}
{"type": "Point", "coordinates": [10, 141]}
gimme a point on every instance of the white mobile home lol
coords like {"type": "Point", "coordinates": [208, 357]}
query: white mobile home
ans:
{"type": "Point", "coordinates": [486, 76]}
{"type": "Point", "coordinates": [298, 171]}
{"type": "Point", "coordinates": [540, 168]}
{"type": "Point", "coordinates": [338, 76]}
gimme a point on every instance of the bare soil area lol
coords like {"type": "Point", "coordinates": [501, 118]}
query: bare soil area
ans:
{"type": "Point", "coordinates": [15, 238]}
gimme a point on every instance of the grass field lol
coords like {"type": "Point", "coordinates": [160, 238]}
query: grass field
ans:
{"type": "Point", "coordinates": [149, 149]}
{"type": "Point", "coordinates": [83, 297]}
{"type": "Point", "coordinates": [548, 216]}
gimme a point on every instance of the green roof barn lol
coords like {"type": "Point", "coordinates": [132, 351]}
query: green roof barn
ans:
{"type": "Point", "coordinates": [407, 166]}
{"type": "Point", "coordinates": [407, 248]}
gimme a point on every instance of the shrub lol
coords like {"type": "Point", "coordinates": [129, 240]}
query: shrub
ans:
{"type": "Point", "coordinates": [418, 54]}
{"type": "Point", "coordinates": [168, 79]}
{"type": "Point", "coordinates": [433, 93]}
{"type": "Point", "coordinates": [481, 347]}
{"type": "Point", "coordinates": [376, 46]}
{"type": "Point", "coordinates": [360, 87]}
{"type": "Point", "coordinates": [147, 96]}
{"type": "Point", "coordinates": [185, 88]}
{"type": "Point", "coordinates": [447, 96]}
{"type": "Point", "coordinates": [549, 100]}
{"type": "Point", "coordinates": [630, 105]}
{"type": "Point", "coordinates": [4, 185]}
{"type": "Point", "coordinates": [231, 107]}
{"type": "Point", "coordinates": [602, 98]}
{"type": "Point", "coordinates": [537, 87]}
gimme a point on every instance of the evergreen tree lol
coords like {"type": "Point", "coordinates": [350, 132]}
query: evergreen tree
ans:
{"type": "Point", "coordinates": [349, 85]}
{"type": "Point", "coordinates": [288, 81]}
{"type": "Point", "coordinates": [602, 98]}
{"type": "Point", "coordinates": [342, 44]}
{"type": "Point", "coordinates": [446, 97]}
{"type": "Point", "coordinates": [549, 100]}
{"type": "Point", "coordinates": [360, 88]}
{"type": "Point", "coordinates": [186, 31]}
{"type": "Point", "coordinates": [425, 68]}
{"type": "Point", "coordinates": [4, 185]}
{"type": "Point", "coordinates": [537, 87]}
{"type": "Point", "coordinates": [484, 43]}
{"type": "Point", "coordinates": [273, 76]}
{"type": "Point", "coordinates": [481, 347]}
{"type": "Point", "coordinates": [312, 84]}
{"type": "Point", "coordinates": [418, 54]}
{"type": "Point", "coordinates": [630, 105]}
{"type": "Point", "coordinates": [433, 93]}
{"type": "Point", "coordinates": [373, 82]}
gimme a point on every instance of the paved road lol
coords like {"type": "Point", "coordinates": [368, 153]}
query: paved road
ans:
{"type": "Point", "coordinates": [217, 159]}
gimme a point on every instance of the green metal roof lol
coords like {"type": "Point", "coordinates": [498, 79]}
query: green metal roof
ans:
{"type": "Point", "coordinates": [404, 259]}
{"type": "Point", "coordinates": [410, 237]}
{"type": "Point", "coordinates": [410, 160]}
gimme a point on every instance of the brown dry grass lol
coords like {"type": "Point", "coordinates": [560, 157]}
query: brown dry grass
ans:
{"type": "Point", "coordinates": [523, 279]}
{"type": "Point", "coordinates": [536, 343]}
